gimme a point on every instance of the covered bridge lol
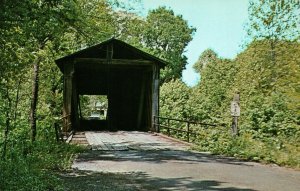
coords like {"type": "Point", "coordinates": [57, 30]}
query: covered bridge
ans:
{"type": "Point", "coordinates": [128, 77]}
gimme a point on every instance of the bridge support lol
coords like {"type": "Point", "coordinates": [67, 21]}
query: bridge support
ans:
{"type": "Point", "coordinates": [155, 97]}
{"type": "Point", "coordinates": [70, 99]}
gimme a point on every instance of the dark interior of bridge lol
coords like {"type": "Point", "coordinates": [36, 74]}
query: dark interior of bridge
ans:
{"type": "Point", "coordinates": [128, 91]}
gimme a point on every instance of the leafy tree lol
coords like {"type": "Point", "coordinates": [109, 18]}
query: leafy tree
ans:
{"type": "Point", "coordinates": [273, 20]}
{"type": "Point", "coordinates": [271, 60]}
{"type": "Point", "coordinates": [211, 96]}
{"type": "Point", "coordinates": [273, 23]}
{"type": "Point", "coordinates": [207, 57]}
{"type": "Point", "coordinates": [167, 35]}
{"type": "Point", "coordinates": [130, 28]}
{"type": "Point", "coordinates": [173, 100]}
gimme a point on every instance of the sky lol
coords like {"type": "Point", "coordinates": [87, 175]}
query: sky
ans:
{"type": "Point", "coordinates": [219, 24]}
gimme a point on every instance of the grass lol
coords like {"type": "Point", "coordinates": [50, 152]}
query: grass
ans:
{"type": "Point", "coordinates": [34, 166]}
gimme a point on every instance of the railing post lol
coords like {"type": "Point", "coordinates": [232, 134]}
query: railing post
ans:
{"type": "Point", "coordinates": [155, 127]}
{"type": "Point", "coordinates": [168, 124]}
{"type": "Point", "coordinates": [153, 124]}
{"type": "Point", "coordinates": [188, 131]}
{"type": "Point", "coordinates": [158, 125]}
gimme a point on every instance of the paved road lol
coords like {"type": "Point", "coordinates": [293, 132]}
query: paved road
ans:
{"type": "Point", "coordinates": [170, 166]}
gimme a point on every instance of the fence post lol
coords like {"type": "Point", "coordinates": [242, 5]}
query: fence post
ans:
{"type": "Point", "coordinates": [154, 124]}
{"type": "Point", "coordinates": [168, 124]}
{"type": "Point", "coordinates": [158, 125]}
{"type": "Point", "coordinates": [188, 132]}
{"type": "Point", "coordinates": [235, 113]}
{"type": "Point", "coordinates": [235, 125]}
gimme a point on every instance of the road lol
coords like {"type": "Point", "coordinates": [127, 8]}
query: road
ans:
{"type": "Point", "coordinates": [157, 163]}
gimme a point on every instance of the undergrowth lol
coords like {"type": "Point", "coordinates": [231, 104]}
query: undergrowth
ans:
{"type": "Point", "coordinates": [34, 166]}
{"type": "Point", "coordinates": [283, 149]}
{"type": "Point", "coordinates": [278, 150]}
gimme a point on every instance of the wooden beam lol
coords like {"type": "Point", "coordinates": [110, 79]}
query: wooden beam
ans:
{"type": "Point", "coordinates": [75, 101]}
{"type": "Point", "coordinates": [155, 96]}
{"type": "Point", "coordinates": [67, 96]}
{"type": "Point", "coordinates": [112, 61]}
{"type": "Point", "coordinates": [108, 61]}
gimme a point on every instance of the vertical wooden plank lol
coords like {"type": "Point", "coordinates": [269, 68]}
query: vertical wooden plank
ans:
{"type": "Point", "coordinates": [141, 104]}
{"type": "Point", "coordinates": [67, 96]}
{"type": "Point", "coordinates": [75, 105]}
{"type": "Point", "coordinates": [79, 106]}
{"type": "Point", "coordinates": [149, 102]}
{"type": "Point", "coordinates": [155, 96]}
{"type": "Point", "coordinates": [157, 90]}
{"type": "Point", "coordinates": [109, 57]}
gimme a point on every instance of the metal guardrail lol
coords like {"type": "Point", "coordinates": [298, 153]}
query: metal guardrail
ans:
{"type": "Point", "coordinates": [168, 126]}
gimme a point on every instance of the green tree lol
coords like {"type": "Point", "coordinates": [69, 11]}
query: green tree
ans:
{"type": "Point", "coordinates": [208, 56]}
{"type": "Point", "coordinates": [273, 55]}
{"type": "Point", "coordinates": [273, 20]}
{"type": "Point", "coordinates": [211, 96]}
{"type": "Point", "coordinates": [167, 35]}
{"type": "Point", "coordinates": [173, 100]}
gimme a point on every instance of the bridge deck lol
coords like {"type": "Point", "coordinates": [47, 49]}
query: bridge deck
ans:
{"type": "Point", "coordinates": [131, 140]}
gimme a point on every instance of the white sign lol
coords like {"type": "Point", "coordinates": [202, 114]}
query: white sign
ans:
{"type": "Point", "coordinates": [235, 109]}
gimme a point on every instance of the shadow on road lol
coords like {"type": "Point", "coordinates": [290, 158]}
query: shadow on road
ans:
{"type": "Point", "coordinates": [158, 156]}
{"type": "Point", "coordinates": [87, 180]}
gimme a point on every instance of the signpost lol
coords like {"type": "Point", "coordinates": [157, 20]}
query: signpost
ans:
{"type": "Point", "coordinates": [235, 109]}
{"type": "Point", "coordinates": [235, 113]}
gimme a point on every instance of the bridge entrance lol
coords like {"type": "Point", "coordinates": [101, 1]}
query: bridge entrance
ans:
{"type": "Point", "coordinates": [127, 76]}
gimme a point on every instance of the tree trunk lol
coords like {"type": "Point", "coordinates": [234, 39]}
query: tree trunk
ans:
{"type": "Point", "coordinates": [34, 100]}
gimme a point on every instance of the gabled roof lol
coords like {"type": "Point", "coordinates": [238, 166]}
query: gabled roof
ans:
{"type": "Point", "coordinates": [121, 50]}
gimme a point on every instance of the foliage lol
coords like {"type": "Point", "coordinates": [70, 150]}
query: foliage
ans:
{"type": "Point", "coordinates": [267, 75]}
{"type": "Point", "coordinates": [173, 98]}
{"type": "Point", "coordinates": [269, 124]}
{"type": "Point", "coordinates": [273, 19]}
{"type": "Point", "coordinates": [212, 95]}
{"type": "Point", "coordinates": [32, 166]}
{"type": "Point", "coordinates": [207, 57]}
{"type": "Point", "coordinates": [167, 35]}
{"type": "Point", "coordinates": [90, 103]}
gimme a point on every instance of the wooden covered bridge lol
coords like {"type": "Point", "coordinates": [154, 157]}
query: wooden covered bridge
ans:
{"type": "Point", "coordinates": [128, 77]}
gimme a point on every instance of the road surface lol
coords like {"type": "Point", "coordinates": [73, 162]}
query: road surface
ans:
{"type": "Point", "coordinates": [157, 163]}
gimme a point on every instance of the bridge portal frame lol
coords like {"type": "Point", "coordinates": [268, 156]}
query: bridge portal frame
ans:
{"type": "Point", "coordinates": [120, 71]}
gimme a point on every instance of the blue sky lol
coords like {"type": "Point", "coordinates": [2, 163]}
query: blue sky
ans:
{"type": "Point", "coordinates": [219, 26]}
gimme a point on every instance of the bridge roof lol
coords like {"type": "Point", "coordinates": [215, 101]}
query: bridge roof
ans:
{"type": "Point", "coordinates": [121, 51]}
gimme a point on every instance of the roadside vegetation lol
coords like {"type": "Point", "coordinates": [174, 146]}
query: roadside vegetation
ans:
{"type": "Point", "coordinates": [266, 74]}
